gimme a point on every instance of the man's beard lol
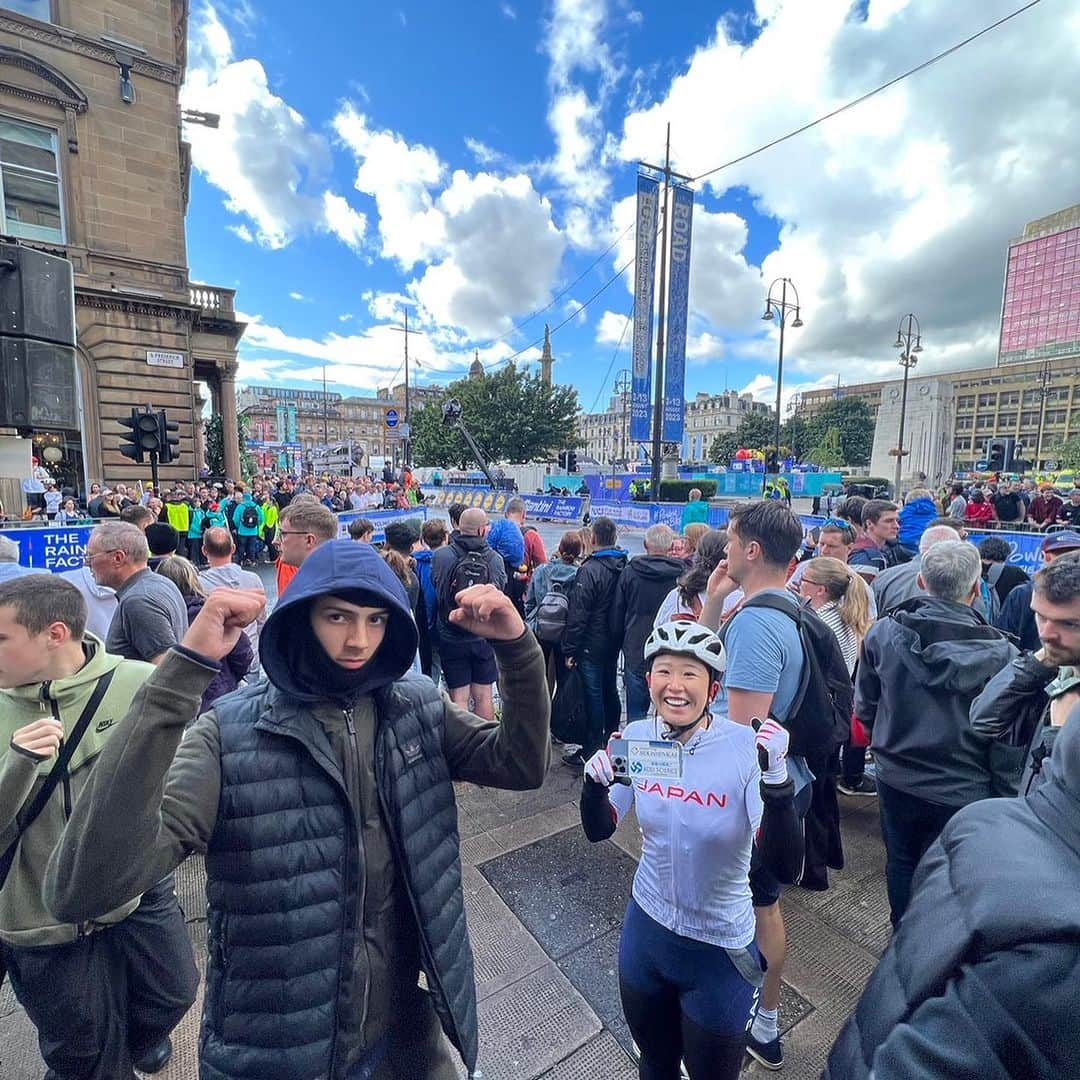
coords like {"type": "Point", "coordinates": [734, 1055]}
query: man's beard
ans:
{"type": "Point", "coordinates": [1062, 657]}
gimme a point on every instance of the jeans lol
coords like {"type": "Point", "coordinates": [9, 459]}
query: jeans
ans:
{"type": "Point", "coordinates": [637, 696]}
{"type": "Point", "coordinates": [108, 998]}
{"type": "Point", "coordinates": [852, 762]}
{"type": "Point", "coordinates": [602, 701]}
{"type": "Point", "coordinates": [247, 548]}
{"type": "Point", "coordinates": [909, 825]}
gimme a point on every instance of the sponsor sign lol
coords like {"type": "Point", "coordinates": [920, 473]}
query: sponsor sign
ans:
{"type": "Point", "coordinates": [51, 549]}
{"type": "Point", "coordinates": [648, 201]}
{"type": "Point", "coordinates": [682, 218]}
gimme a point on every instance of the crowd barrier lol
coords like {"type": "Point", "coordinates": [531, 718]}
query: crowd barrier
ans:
{"type": "Point", "coordinates": [569, 508]}
{"type": "Point", "coordinates": [57, 549]}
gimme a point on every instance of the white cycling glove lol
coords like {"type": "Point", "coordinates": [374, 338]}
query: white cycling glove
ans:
{"type": "Point", "coordinates": [598, 769]}
{"type": "Point", "coordinates": [773, 739]}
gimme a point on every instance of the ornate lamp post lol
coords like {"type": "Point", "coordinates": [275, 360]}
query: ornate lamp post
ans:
{"type": "Point", "coordinates": [781, 308]}
{"type": "Point", "coordinates": [909, 342]}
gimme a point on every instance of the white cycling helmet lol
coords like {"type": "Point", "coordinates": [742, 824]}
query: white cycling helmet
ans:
{"type": "Point", "coordinates": [685, 638]}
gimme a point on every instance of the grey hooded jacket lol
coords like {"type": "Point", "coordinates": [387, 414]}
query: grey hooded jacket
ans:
{"type": "Point", "coordinates": [922, 667]}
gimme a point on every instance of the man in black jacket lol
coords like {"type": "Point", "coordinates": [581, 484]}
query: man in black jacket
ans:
{"type": "Point", "coordinates": [922, 667]}
{"type": "Point", "coordinates": [587, 641]}
{"type": "Point", "coordinates": [1018, 706]}
{"type": "Point", "coordinates": [979, 982]}
{"type": "Point", "coordinates": [642, 587]}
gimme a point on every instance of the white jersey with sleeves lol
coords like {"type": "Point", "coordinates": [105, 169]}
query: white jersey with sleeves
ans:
{"type": "Point", "coordinates": [697, 834]}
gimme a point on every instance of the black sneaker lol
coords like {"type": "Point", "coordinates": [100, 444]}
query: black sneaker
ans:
{"type": "Point", "coordinates": [863, 786]}
{"type": "Point", "coordinates": [770, 1054]}
{"type": "Point", "coordinates": [575, 759]}
{"type": "Point", "coordinates": [156, 1058]}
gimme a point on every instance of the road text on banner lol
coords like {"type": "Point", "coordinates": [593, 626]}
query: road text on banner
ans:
{"type": "Point", "coordinates": [682, 219]}
{"type": "Point", "coordinates": [648, 200]}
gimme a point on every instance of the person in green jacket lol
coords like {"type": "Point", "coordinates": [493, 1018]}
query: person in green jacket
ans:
{"type": "Point", "coordinates": [696, 510]}
{"type": "Point", "coordinates": [100, 1006]}
{"type": "Point", "coordinates": [270, 524]}
{"type": "Point", "coordinates": [248, 520]}
{"type": "Point", "coordinates": [178, 515]}
{"type": "Point", "coordinates": [195, 534]}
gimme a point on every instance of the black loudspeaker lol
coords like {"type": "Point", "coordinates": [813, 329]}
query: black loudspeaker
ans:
{"type": "Point", "coordinates": [37, 340]}
{"type": "Point", "coordinates": [37, 295]}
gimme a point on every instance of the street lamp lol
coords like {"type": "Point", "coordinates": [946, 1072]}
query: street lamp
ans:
{"type": "Point", "coordinates": [781, 308]}
{"type": "Point", "coordinates": [909, 342]}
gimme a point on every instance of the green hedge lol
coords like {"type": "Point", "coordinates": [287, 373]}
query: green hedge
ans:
{"type": "Point", "coordinates": [679, 490]}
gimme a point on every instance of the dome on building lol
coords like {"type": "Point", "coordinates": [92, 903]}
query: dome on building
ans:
{"type": "Point", "coordinates": [476, 369]}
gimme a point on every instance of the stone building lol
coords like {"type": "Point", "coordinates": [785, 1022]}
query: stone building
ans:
{"type": "Point", "coordinates": [94, 167]}
{"type": "Point", "coordinates": [709, 415]}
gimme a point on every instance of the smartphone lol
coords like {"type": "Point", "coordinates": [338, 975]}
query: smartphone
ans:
{"type": "Point", "coordinates": [638, 759]}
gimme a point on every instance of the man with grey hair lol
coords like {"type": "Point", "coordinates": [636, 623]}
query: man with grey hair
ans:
{"type": "Point", "coordinates": [923, 665]}
{"type": "Point", "coordinates": [150, 615]}
{"type": "Point", "coordinates": [9, 561]}
{"type": "Point", "coordinates": [639, 593]}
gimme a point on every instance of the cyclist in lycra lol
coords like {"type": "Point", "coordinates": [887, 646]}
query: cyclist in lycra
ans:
{"type": "Point", "coordinates": [688, 966]}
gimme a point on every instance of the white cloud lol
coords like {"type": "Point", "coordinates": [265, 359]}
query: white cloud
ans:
{"type": "Point", "coordinates": [612, 328]}
{"type": "Point", "coordinates": [346, 317]}
{"type": "Point", "coordinates": [508, 11]}
{"type": "Point", "coordinates": [635, 18]}
{"type": "Point", "coordinates": [299, 297]}
{"type": "Point", "coordinates": [905, 203]}
{"type": "Point", "coordinates": [347, 224]}
{"type": "Point", "coordinates": [387, 306]}
{"type": "Point", "coordinates": [243, 232]}
{"type": "Point", "coordinates": [483, 153]}
{"type": "Point", "coordinates": [269, 164]}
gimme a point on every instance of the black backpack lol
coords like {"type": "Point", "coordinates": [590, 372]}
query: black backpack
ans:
{"type": "Point", "coordinates": [249, 516]}
{"type": "Point", "coordinates": [471, 568]}
{"type": "Point", "coordinates": [551, 613]}
{"type": "Point", "coordinates": [819, 720]}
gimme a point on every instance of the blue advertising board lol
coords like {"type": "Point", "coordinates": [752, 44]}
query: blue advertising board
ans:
{"type": "Point", "coordinates": [568, 508]}
{"type": "Point", "coordinates": [648, 203]}
{"type": "Point", "coordinates": [682, 216]}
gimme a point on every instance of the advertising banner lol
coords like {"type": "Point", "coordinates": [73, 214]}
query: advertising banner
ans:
{"type": "Point", "coordinates": [550, 507]}
{"type": "Point", "coordinates": [648, 200]}
{"type": "Point", "coordinates": [51, 549]}
{"type": "Point", "coordinates": [682, 218]}
{"type": "Point", "coordinates": [378, 518]}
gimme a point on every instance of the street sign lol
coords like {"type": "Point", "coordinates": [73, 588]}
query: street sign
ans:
{"type": "Point", "coordinates": [391, 418]}
{"type": "Point", "coordinates": [157, 358]}
{"type": "Point", "coordinates": [982, 466]}
{"type": "Point", "coordinates": [1051, 465]}
{"type": "Point", "coordinates": [404, 430]}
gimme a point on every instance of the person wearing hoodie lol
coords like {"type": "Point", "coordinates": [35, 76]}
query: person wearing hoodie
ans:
{"type": "Point", "coordinates": [922, 667]}
{"type": "Point", "coordinates": [248, 520]}
{"type": "Point", "coordinates": [506, 537]}
{"type": "Point", "coordinates": [919, 512]}
{"type": "Point", "coordinates": [880, 524]}
{"type": "Point", "coordinates": [587, 641]}
{"type": "Point", "coordinates": [101, 1006]}
{"type": "Point", "coordinates": [979, 982]}
{"type": "Point", "coordinates": [433, 535]}
{"type": "Point", "coordinates": [323, 800]}
{"type": "Point", "coordinates": [468, 661]}
{"type": "Point", "coordinates": [642, 587]}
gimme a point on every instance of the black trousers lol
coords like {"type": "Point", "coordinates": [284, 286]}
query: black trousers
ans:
{"type": "Point", "coordinates": [102, 1001]}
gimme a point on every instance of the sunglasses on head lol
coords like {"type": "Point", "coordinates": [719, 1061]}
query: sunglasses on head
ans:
{"type": "Point", "coordinates": [838, 523]}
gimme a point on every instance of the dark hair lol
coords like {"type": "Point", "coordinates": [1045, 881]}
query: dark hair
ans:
{"type": "Point", "coordinates": [852, 508]}
{"type": "Point", "coordinates": [953, 523]}
{"type": "Point", "coordinates": [139, 515]}
{"type": "Point", "coordinates": [455, 510]}
{"type": "Point", "coordinates": [977, 496]}
{"type": "Point", "coordinates": [874, 509]}
{"type": "Point", "coordinates": [605, 531]}
{"type": "Point", "coordinates": [1058, 581]}
{"type": "Point", "coordinates": [40, 600]}
{"type": "Point", "coordinates": [777, 531]}
{"type": "Point", "coordinates": [957, 489]}
{"type": "Point", "coordinates": [570, 545]}
{"type": "Point", "coordinates": [360, 526]}
{"type": "Point", "coordinates": [433, 532]}
{"type": "Point", "coordinates": [161, 538]}
{"type": "Point", "coordinates": [402, 565]}
{"type": "Point", "coordinates": [994, 549]}
{"type": "Point", "coordinates": [709, 551]}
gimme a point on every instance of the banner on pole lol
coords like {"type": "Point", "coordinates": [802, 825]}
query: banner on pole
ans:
{"type": "Point", "coordinates": [648, 201]}
{"type": "Point", "coordinates": [682, 218]}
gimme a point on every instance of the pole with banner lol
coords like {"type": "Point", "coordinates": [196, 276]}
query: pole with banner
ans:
{"type": "Point", "coordinates": [682, 219]}
{"type": "Point", "coordinates": [648, 200]}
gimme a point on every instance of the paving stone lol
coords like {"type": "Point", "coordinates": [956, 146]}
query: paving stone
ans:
{"type": "Point", "coordinates": [599, 1059]}
{"type": "Point", "coordinates": [594, 970]}
{"type": "Point", "coordinates": [502, 949]}
{"type": "Point", "coordinates": [532, 1025]}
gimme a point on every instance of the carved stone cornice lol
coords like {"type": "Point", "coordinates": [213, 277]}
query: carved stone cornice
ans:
{"type": "Point", "coordinates": [106, 300]}
{"type": "Point", "coordinates": [61, 38]}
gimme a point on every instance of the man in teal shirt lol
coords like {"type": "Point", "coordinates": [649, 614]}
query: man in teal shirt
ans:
{"type": "Point", "coordinates": [249, 518]}
{"type": "Point", "coordinates": [697, 509]}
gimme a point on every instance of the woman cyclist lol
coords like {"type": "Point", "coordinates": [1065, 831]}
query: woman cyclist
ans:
{"type": "Point", "coordinates": [688, 965]}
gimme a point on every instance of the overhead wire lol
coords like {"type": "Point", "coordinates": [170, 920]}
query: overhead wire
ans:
{"type": "Point", "coordinates": [628, 320]}
{"type": "Point", "coordinates": [872, 93]}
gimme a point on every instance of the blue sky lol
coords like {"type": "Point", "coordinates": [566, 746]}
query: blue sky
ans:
{"type": "Point", "coordinates": [472, 160]}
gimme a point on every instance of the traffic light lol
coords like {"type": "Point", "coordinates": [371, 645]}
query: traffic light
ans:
{"type": "Point", "coordinates": [571, 461]}
{"type": "Point", "coordinates": [148, 430]}
{"type": "Point", "coordinates": [1000, 454]}
{"type": "Point", "coordinates": [129, 445]}
{"type": "Point", "coordinates": [166, 442]}
{"type": "Point", "coordinates": [563, 455]}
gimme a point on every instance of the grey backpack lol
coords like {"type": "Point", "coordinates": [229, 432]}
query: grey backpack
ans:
{"type": "Point", "coordinates": [552, 612]}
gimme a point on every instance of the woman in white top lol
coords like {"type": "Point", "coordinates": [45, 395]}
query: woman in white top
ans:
{"type": "Point", "coordinates": [688, 964]}
{"type": "Point", "coordinates": [688, 597]}
{"type": "Point", "coordinates": [835, 593]}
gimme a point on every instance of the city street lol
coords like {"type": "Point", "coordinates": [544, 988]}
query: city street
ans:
{"type": "Point", "coordinates": [544, 908]}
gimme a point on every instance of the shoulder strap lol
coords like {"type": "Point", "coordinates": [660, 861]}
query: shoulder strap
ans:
{"type": "Point", "coordinates": [58, 771]}
{"type": "Point", "coordinates": [993, 575]}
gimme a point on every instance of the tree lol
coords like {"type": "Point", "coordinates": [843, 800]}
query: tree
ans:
{"type": "Point", "coordinates": [853, 421]}
{"type": "Point", "coordinates": [723, 448]}
{"type": "Point", "coordinates": [827, 453]}
{"type": "Point", "coordinates": [512, 415]}
{"type": "Point", "coordinates": [215, 446]}
{"type": "Point", "coordinates": [1067, 453]}
{"type": "Point", "coordinates": [798, 434]}
{"type": "Point", "coordinates": [755, 431]}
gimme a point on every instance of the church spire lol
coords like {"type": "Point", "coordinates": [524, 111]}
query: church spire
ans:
{"type": "Point", "coordinates": [546, 359]}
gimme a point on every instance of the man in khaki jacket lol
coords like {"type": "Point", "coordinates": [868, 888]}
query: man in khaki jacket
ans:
{"type": "Point", "coordinates": [103, 993]}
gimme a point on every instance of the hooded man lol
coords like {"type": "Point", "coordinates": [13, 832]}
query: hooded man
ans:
{"type": "Point", "coordinates": [922, 667]}
{"type": "Point", "coordinates": [323, 800]}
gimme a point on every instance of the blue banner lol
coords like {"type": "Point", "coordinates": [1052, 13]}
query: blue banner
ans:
{"type": "Point", "coordinates": [648, 200]}
{"type": "Point", "coordinates": [682, 219]}
{"type": "Point", "coordinates": [378, 518]}
{"type": "Point", "coordinates": [51, 549]}
{"type": "Point", "coordinates": [569, 508]}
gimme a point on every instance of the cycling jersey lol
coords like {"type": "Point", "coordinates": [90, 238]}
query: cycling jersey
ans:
{"type": "Point", "coordinates": [697, 834]}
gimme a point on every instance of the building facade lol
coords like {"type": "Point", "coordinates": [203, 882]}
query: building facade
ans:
{"type": "Point", "coordinates": [709, 415]}
{"type": "Point", "coordinates": [286, 426]}
{"type": "Point", "coordinates": [604, 437]}
{"type": "Point", "coordinates": [94, 168]}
